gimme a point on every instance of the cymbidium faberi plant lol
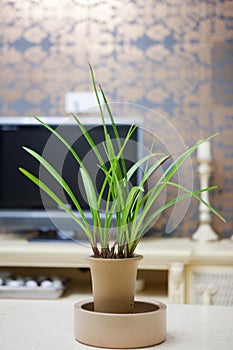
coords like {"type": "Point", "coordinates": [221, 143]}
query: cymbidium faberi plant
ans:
{"type": "Point", "coordinates": [127, 208]}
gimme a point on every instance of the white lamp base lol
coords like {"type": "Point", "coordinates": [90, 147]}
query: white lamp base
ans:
{"type": "Point", "coordinates": [205, 233]}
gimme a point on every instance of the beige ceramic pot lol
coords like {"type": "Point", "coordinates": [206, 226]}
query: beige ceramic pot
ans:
{"type": "Point", "coordinates": [113, 283]}
{"type": "Point", "coordinates": [145, 327]}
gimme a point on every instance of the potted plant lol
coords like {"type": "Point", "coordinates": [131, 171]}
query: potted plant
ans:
{"type": "Point", "coordinates": [114, 263]}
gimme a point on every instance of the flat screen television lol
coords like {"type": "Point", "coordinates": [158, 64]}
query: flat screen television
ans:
{"type": "Point", "coordinates": [23, 207]}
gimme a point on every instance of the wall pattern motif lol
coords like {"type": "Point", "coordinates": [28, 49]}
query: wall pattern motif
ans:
{"type": "Point", "coordinates": [173, 56]}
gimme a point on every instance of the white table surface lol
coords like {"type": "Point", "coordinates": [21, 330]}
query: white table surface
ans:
{"type": "Point", "coordinates": [47, 325]}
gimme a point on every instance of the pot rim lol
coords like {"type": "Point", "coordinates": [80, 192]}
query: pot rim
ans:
{"type": "Point", "coordinates": [119, 260]}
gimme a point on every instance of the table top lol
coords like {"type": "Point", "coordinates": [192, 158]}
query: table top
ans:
{"type": "Point", "coordinates": [44, 324]}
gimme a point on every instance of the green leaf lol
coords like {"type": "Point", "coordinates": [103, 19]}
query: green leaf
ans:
{"type": "Point", "coordinates": [90, 190]}
{"type": "Point", "coordinates": [195, 195]}
{"type": "Point", "coordinates": [66, 144]}
{"type": "Point", "coordinates": [188, 194]}
{"type": "Point", "coordinates": [89, 139]}
{"type": "Point", "coordinates": [56, 199]}
{"type": "Point", "coordinates": [59, 179]}
{"type": "Point", "coordinates": [130, 202]}
{"type": "Point", "coordinates": [151, 196]}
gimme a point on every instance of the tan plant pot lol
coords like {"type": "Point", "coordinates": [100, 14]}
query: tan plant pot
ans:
{"type": "Point", "coordinates": [145, 327]}
{"type": "Point", "coordinates": [113, 283]}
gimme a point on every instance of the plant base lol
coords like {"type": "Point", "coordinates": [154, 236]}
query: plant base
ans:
{"type": "Point", "coordinates": [146, 326]}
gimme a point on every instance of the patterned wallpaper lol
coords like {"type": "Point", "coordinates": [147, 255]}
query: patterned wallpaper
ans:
{"type": "Point", "coordinates": [173, 56]}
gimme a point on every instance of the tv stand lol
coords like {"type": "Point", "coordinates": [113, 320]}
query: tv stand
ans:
{"type": "Point", "coordinates": [174, 270]}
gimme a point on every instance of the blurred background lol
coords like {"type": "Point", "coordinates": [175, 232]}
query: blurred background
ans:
{"type": "Point", "coordinates": [172, 56]}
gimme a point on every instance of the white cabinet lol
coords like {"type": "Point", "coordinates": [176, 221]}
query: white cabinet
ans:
{"type": "Point", "coordinates": [174, 270]}
{"type": "Point", "coordinates": [210, 285]}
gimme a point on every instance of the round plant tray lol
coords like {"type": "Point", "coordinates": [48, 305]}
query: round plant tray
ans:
{"type": "Point", "coordinates": [146, 326]}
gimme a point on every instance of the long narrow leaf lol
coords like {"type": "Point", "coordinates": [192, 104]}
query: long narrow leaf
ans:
{"type": "Point", "coordinates": [162, 182]}
{"type": "Point", "coordinates": [132, 196]}
{"type": "Point", "coordinates": [65, 143]}
{"type": "Point", "coordinates": [194, 194]}
{"type": "Point", "coordinates": [89, 140]}
{"type": "Point", "coordinates": [90, 191]}
{"type": "Point", "coordinates": [59, 179]}
{"type": "Point", "coordinates": [56, 199]}
{"type": "Point", "coordinates": [98, 99]}
{"type": "Point", "coordinates": [91, 198]}
{"type": "Point", "coordinates": [116, 133]}
{"type": "Point", "coordinates": [141, 229]}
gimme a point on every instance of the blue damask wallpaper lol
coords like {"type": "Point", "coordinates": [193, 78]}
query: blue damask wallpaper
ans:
{"type": "Point", "coordinates": [173, 56]}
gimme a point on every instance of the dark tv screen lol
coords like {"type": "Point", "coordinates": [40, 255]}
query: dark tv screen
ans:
{"type": "Point", "coordinates": [22, 205]}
